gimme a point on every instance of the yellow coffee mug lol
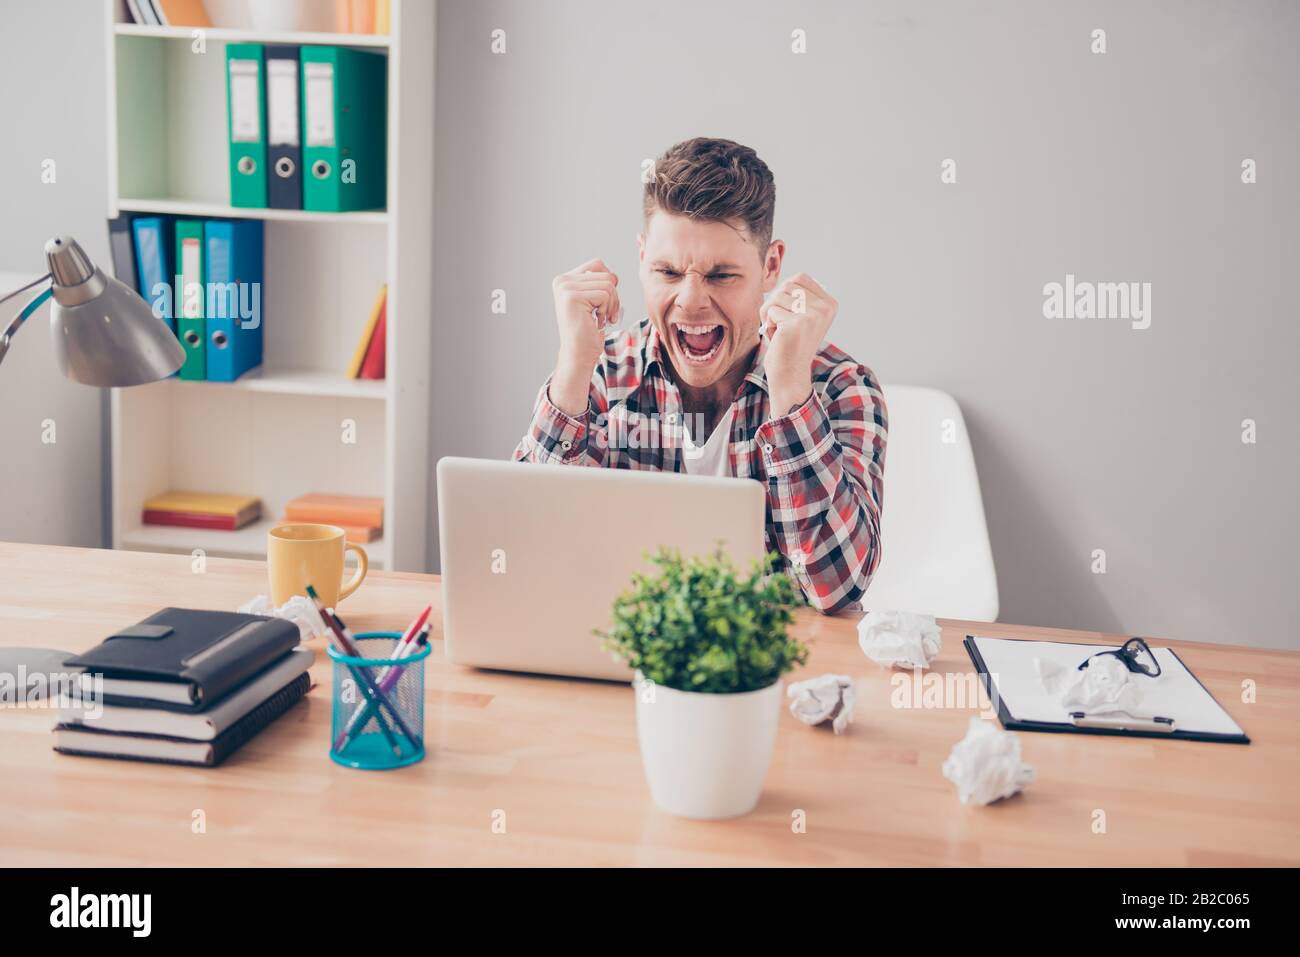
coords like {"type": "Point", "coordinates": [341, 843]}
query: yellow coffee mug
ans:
{"type": "Point", "coordinates": [307, 554]}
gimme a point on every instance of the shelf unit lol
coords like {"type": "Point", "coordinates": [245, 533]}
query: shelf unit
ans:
{"type": "Point", "coordinates": [297, 424]}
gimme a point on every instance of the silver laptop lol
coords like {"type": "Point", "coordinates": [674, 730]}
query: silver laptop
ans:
{"type": "Point", "coordinates": [534, 555]}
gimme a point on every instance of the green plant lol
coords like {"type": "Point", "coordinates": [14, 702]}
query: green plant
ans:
{"type": "Point", "coordinates": [699, 626]}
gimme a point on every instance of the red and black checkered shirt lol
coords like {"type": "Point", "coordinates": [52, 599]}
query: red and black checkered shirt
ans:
{"type": "Point", "coordinates": [823, 464]}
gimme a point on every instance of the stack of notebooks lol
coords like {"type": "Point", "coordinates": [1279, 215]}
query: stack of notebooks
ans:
{"type": "Point", "coordinates": [202, 510]}
{"type": "Point", "coordinates": [361, 517]}
{"type": "Point", "coordinates": [186, 686]}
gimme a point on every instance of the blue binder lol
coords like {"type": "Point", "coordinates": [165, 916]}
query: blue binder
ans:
{"type": "Point", "coordinates": [153, 243]}
{"type": "Point", "coordinates": [235, 297]}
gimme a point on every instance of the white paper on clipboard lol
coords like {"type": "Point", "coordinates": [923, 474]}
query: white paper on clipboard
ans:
{"type": "Point", "coordinates": [1175, 693]}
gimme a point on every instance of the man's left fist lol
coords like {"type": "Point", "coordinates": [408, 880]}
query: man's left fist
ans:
{"type": "Point", "coordinates": [796, 319]}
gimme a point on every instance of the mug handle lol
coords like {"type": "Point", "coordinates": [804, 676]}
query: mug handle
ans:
{"type": "Point", "coordinates": [363, 566]}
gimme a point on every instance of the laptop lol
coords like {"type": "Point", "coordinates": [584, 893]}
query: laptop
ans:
{"type": "Point", "coordinates": [533, 556]}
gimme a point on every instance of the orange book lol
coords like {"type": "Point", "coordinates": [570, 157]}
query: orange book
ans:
{"type": "Point", "coordinates": [363, 16]}
{"type": "Point", "coordinates": [353, 533]}
{"type": "Point", "coordinates": [183, 13]}
{"type": "Point", "coordinates": [356, 510]}
{"type": "Point", "coordinates": [342, 16]}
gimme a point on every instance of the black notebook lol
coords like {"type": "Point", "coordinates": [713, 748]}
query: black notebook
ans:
{"type": "Point", "coordinates": [79, 739]}
{"type": "Point", "coordinates": [184, 659]}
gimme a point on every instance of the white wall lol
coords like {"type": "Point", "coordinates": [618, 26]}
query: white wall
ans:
{"type": "Point", "coordinates": [1115, 167]}
{"type": "Point", "coordinates": [51, 108]}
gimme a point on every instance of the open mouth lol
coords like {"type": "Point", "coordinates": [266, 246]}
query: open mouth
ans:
{"type": "Point", "coordinates": [699, 343]}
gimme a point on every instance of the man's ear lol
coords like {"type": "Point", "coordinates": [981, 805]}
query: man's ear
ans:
{"type": "Point", "coordinates": [772, 264]}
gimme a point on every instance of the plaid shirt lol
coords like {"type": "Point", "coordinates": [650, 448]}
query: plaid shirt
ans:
{"type": "Point", "coordinates": [823, 464]}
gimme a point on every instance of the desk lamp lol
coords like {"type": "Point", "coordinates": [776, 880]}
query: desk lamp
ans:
{"type": "Point", "coordinates": [104, 335]}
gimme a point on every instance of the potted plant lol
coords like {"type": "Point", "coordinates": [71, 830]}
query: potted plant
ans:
{"type": "Point", "coordinates": [709, 647]}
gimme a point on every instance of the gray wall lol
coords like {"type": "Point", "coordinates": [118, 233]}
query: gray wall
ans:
{"type": "Point", "coordinates": [51, 107]}
{"type": "Point", "coordinates": [1116, 167]}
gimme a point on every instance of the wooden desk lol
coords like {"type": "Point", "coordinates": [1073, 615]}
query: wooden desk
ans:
{"type": "Point", "coordinates": [560, 759]}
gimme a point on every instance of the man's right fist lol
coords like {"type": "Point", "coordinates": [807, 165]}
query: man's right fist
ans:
{"type": "Point", "coordinates": [586, 301]}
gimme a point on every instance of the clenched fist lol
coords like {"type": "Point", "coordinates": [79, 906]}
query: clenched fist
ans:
{"type": "Point", "coordinates": [796, 317]}
{"type": "Point", "coordinates": [586, 301]}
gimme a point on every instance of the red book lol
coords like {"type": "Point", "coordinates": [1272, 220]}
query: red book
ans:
{"type": "Point", "coordinates": [373, 365]}
{"type": "Point", "coordinates": [153, 516]}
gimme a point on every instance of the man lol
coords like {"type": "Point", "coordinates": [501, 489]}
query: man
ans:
{"type": "Point", "coordinates": [719, 381]}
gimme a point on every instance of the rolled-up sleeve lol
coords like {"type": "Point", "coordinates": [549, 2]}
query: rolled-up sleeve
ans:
{"type": "Point", "coordinates": [556, 438]}
{"type": "Point", "coordinates": [825, 466]}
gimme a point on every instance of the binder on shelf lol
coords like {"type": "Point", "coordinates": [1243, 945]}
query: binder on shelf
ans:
{"type": "Point", "coordinates": [345, 142]}
{"type": "Point", "coordinates": [122, 245]}
{"type": "Point", "coordinates": [246, 112]}
{"type": "Point", "coordinates": [283, 128]}
{"type": "Point", "coordinates": [153, 260]}
{"type": "Point", "coordinates": [233, 254]}
{"type": "Point", "coordinates": [189, 297]}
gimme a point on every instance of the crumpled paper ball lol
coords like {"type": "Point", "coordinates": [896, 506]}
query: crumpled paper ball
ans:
{"type": "Point", "coordinates": [298, 609]}
{"type": "Point", "coordinates": [1104, 686]}
{"type": "Point", "coordinates": [899, 639]}
{"type": "Point", "coordinates": [827, 698]}
{"type": "Point", "coordinates": [985, 765]}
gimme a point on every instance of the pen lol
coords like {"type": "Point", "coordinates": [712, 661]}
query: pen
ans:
{"type": "Point", "coordinates": [1121, 721]}
{"type": "Point", "coordinates": [347, 646]}
{"type": "Point", "coordinates": [408, 638]}
{"type": "Point", "coordinates": [386, 683]}
{"type": "Point", "coordinates": [379, 696]}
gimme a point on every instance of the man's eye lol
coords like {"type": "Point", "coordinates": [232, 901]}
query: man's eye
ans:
{"type": "Point", "coordinates": [670, 273]}
{"type": "Point", "coordinates": [720, 276]}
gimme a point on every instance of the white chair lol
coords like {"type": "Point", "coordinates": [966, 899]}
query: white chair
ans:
{"type": "Point", "coordinates": [936, 557]}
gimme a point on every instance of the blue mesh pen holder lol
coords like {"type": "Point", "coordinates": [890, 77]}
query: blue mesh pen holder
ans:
{"type": "Point", "coordinates": [378, 714]}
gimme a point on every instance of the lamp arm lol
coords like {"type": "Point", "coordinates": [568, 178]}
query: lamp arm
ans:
{"type": "Point", "coordinates": [23, 313]}
{"type": "Point", "coordinates": [21, 289]}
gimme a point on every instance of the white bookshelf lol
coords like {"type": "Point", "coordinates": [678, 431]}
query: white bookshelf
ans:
{"type": "Point", "coordinates": [278, 431]}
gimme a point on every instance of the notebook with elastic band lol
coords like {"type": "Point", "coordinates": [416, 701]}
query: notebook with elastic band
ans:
{"type": "Point", "coordinates": [184, 659]}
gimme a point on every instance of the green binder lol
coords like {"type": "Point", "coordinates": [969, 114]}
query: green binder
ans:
{"type": "Point", "coordinates": [246, 123]}
{"type": "Point", "coordinates": [345, 129]}
{"type": "Point", "coordinates": [189, 296]}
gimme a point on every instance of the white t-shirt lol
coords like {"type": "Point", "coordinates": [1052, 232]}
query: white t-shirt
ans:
{"type": "Point", "coordinates": [713, 457]}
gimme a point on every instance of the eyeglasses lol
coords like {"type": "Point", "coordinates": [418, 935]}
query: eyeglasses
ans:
{"type": "Point", "coordinates": [1136, 655]}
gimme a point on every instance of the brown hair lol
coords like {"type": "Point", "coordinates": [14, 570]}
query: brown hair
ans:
{"type": "Point", "coordinates": [717, 181]}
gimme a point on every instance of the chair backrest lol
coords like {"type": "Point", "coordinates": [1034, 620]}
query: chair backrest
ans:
{"type": "Point", "coordinates": [936, 558]}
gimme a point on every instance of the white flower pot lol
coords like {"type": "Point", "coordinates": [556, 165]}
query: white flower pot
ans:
{"type": "Point", "coordinates": [706, 755]}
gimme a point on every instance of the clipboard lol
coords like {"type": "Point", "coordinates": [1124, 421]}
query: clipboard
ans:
{"type": "Point", "coordinates": [1011, 723]}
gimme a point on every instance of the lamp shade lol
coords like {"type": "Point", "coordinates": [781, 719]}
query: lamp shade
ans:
{"type": "Point", "coordinates": [104, 333]}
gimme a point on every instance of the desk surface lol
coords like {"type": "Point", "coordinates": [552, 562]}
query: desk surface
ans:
{"type": "Point", "coordinates": [557, 760]}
